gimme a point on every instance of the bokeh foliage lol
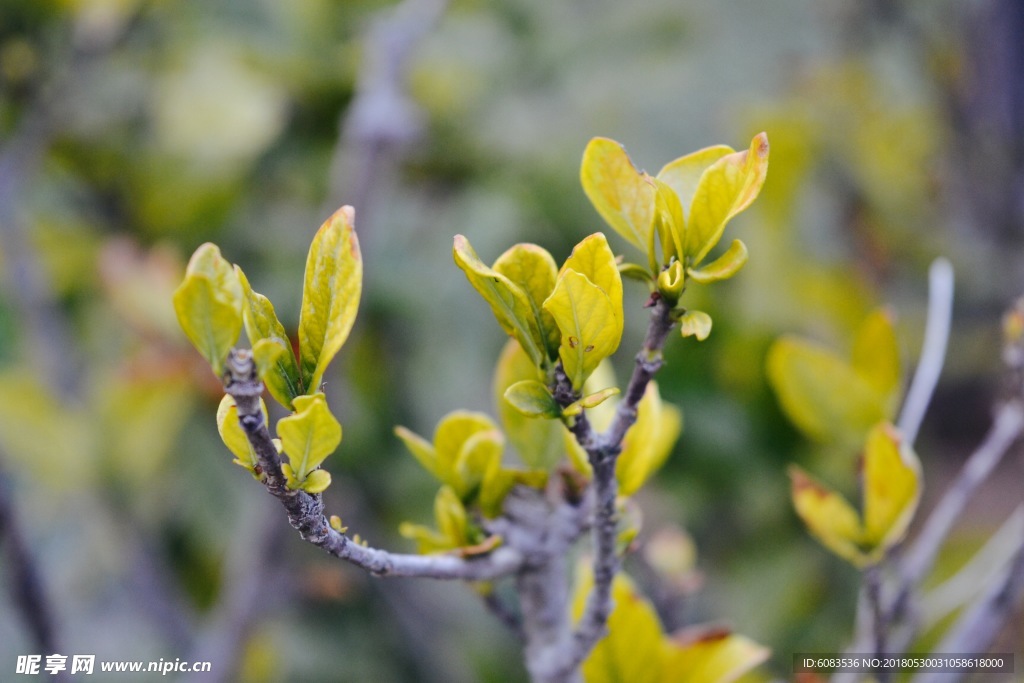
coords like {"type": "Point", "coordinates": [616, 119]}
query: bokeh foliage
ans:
{"type": "Point", "coordinates": [132, 131]}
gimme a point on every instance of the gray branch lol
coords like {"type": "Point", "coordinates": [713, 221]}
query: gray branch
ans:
{"type": "Point", "coordinates": [306, 512]}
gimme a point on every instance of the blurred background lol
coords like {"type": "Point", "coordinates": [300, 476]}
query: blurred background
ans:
{"type": "Point", "coordinates": [131, 131]}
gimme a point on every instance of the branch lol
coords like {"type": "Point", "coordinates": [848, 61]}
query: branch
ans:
{"type": "Point", "coordinates": [306, 512]}
{"type": "Point", "coordinates": [603, 451]}
{"type": "Point", "coordinates": [1006, 429]}
{"type": "Point", "coordinates": [26, 585]}
{"type": "Point", "coordinates": [933, 350]}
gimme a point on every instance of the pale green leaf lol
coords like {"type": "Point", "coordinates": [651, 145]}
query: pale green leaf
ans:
{"type": "Point", "coordinates": [423, 451]}
{"type": "Point", "coordinates": [533, 399]}
{"type": "Point", "coordinates": [279, 371]}
{"type": "Point", "coordinates": [727, 187]}
{"type": "Point", "coordinates": [508, 301]}
{"type": "Point", "coordinates": [622, 195]}
{"type": "Point", "coordinates": [476, 455]}
{"type": "Point", "coordinates": [876, 356]}
{"type": "Point", "coordinates": [310, 435]}
{"type": "Point", "coordinates": [683, 174]}
{"type": "Point", "coordinates": [695, 324]}
{"type": "Point", "coordinates": [233, 436]}
{"type": "Point", "coordinates": [330, 295]}
{"type": "Point", "coordinates": [534, 270]}
{"type": "Point", "coordinates": [632, 650]}
{"type": "Point", "coordinates": [723, 267]}
{"type": "Point", "coordinates": [538, 442]}
{"type": "Point", "coordinates": [828, 516]}
{"type": "Point", "coordinates": [648, 442]}
{"type": "Point", "coordinates": [711, 656]}
{"type": "Point", "coordinates": [591, 326]}
{"type": "Point", "coordinates": [316, 482]}
{"type": "Point", "coordinates": [208, 304]}
{"type": "Point", "coordinates": [822, 394]}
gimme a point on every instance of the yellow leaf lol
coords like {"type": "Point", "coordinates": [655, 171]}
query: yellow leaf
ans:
{"type": "Point", "coordinates": [892, 488]}
{"type": "Point", "coordinates": [695, 324]}
{"type": "Point", "coordinates": [310, 435]}
{"type": "Point", "coordinates": [475, 457]}
{"type": "Point", "coordinates": [233, 436]}
{"type": "Point", "coordinates": [533, 269]}
{"type": "Point", "coordinates": [42, 439]}
{"type": "Point", "coordinates": [422, 450]}
{"type": "Point", "coordinates": [282, 375]}
{"type": "Point", "coordinates": [714, 656]}
{"type": "Point", "coordinates": [590, 326]}
{"type": "Point", "coordinates": [669, 222]}
{"type": "Point", "coordinates": [622, 195]}
{"type": "Point", "coordinates": [593, 258]}
{"type": "Point", "coordinates": [727, 187]}
{"type": "Point", "coordinates": [538, 442]}
{"type": "Point", "coordinates": [671, 282]}
{"type": "Point", "coordinates": [683, 174]}
{"type": "Point", "coordinates": [723, 267]}
{"type": "Point", "coordinates": [876, 356]}
{"type": "Point", "coordinates": [208, 304]}
{"type": "Point", "coordinates": [823, 396]}
{"type": "Point", "coordinates": [648, 442]}
{"type": "Point", "coordinates": [632, 650]}
{"type": "Point", "coordinates": [828, 516]}
{"type": "Point", "coordinates": [330, 295]}
{"type": "Point", "coordinates": [508, 301]}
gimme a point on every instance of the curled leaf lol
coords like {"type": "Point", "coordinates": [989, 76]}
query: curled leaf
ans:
{"type": "Point", "coordinates": [233, 436]}
{"type": "Point", "coordinates": [532, 399]}
{"type": "Point", "coordinates": [723, 267]}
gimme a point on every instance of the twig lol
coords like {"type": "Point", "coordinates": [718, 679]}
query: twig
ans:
{"type": "Point", "coordinates": [306, 512]}
{"type": "Point", "coordinates": [1006, 429]}
{"type": "Point", "coordinates": [504, 614]}
{"type": "Point", "coordinates": [933, 350]}
{"type": "Point", "coordinates": [978, 628]}
{"type": "Point", "coordinates": [603, 451]}
{"type": "Point", "coordinates": [879, 621]}
{"type": "Point", "coordinates": [26, 585]}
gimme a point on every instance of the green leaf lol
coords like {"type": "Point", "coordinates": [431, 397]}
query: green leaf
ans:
{"type": "Point", "coordinates": [533, 269]}
{"type": "Point", "coordinates": [538, 442]}
{"type": "Point", "coordinates": [632, 650]}
{"type": "Point", "coordinates": [634, 271]}
{"type": "Point", "coordinates": [508, 301]}
{"type": "Point", "coordinates": [330, 295]}
{"type": "Point", "coordinates": [208, 304]}
{"type": "Point", "coordinates": [695, 324]}
{"type": "Point", "coordinates": [727, 187]}
{"type": "Point", "coordinates": [621, 194]}
{"type": "Point", "coordinates": [591, 329]}
{"type": "Point", "coordinates": [822, 394]}
{"type": "Point", "coordinates": [723, 267]}
{"type": "Point", "coordinates": [310, 435]}
{"type": "Point", "coordinates": [233, 436]}
{"type": "Point", "coordinates": [533, 399]}
{"type": "Point", "coordinates": [279, 371]}
{"type": "Point", "coordinates": [589, 401]}
{"type": "Point", "coordinates": [316, 482]}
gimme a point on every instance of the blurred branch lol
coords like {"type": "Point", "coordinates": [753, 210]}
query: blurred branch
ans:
{"type": "Point", "coordinates": [243, 598]}
{"type": "Point", "coordinates": [383, 117]}
{"type": "Point", "coordinates": [933, 351]}
{"type": "Point", "coordinates": [26, 586]}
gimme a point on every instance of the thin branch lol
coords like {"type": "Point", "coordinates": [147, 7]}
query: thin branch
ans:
{"type": "Point", "coordinates": [933, 350]}
{"type": "Point", "coordinates": [603, 451]}
{"type": "Point", "coordinates": [26, 585]}
{"type": "Point", "coordinates": [879, 622]}
{"type": "Point", "coordinates": [1006, 429]}
{"type": "Point", "coordinates": [306, 512]}
{"type": "Point", "coordinates": [978, 628]}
